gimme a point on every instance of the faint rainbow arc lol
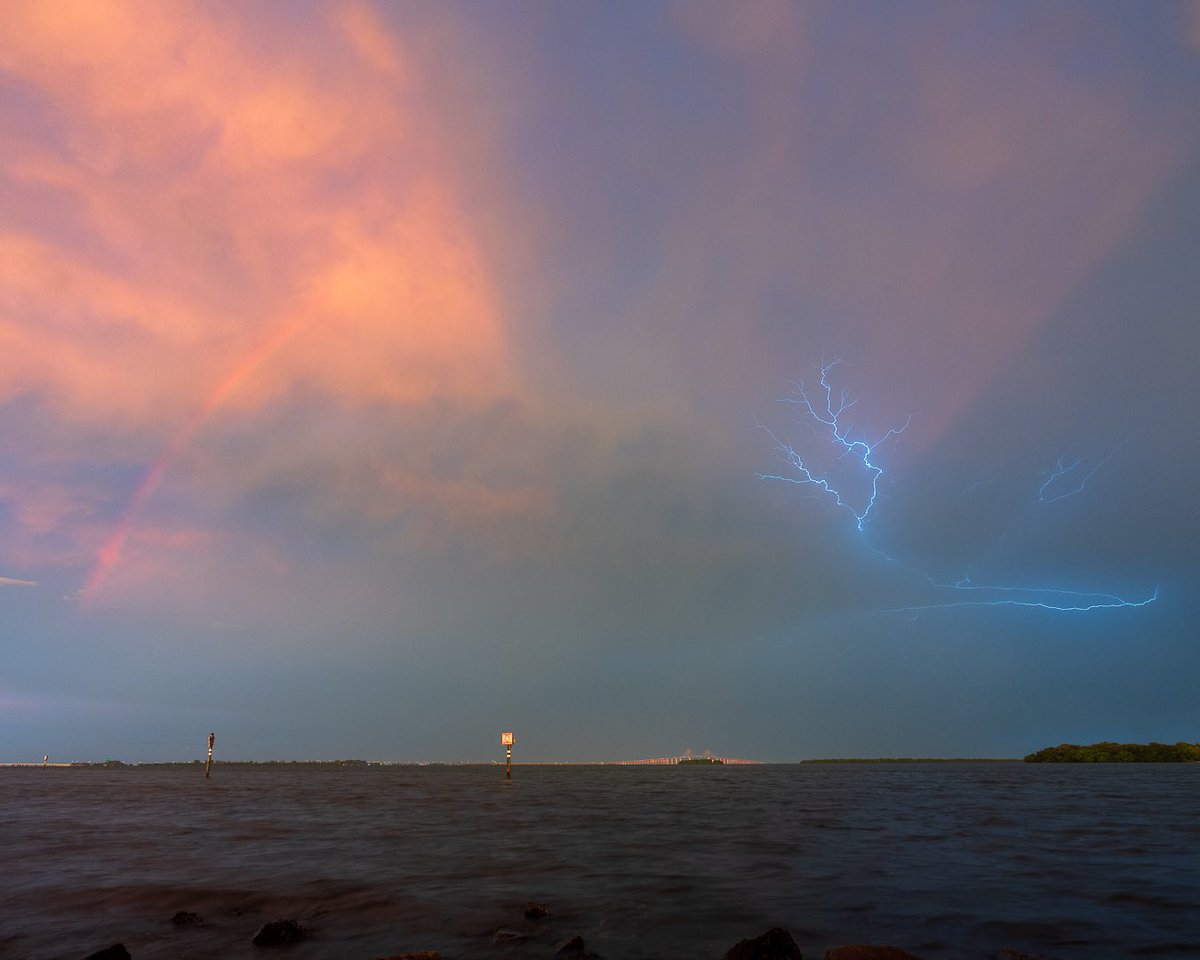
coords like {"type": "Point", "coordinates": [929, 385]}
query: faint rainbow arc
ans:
{"type": "Point", "coordinates": [110, 553]}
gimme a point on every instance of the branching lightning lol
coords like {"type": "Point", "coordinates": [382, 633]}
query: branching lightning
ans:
{"type": "Point", "coordinates": [827, 418]}
{"type": "Point", "coordinates": [839, 434]}
{"type": "Point", "coordinates": [1073, 476]}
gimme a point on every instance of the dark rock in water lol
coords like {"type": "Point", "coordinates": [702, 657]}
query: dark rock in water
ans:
{"type": "Point", "coordinates": [775, 944]}
{"type": "Point", "coordinates": [116, 952]}
{"type": "Point", "coordinates": [570, 948]}
{"type": "Point", "coordinates": [509, 936]}
{"type": "Point", "coordinates": [279, 933]}
{"type": "Point", "coordinates": [185, 918]}
{"type": "Point", "coordinates": [420, 955]}
{"type": "Point", "coordinates": [858, 951]}
{"type": "Point", "coordinates": [536, 911]}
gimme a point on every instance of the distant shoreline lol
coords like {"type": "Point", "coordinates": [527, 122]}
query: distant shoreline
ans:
{"type": "Point", "coordinates": [916, 760]}
{"type": "Point", "coordinates": [1066, 753]}
{"type": "Point", "coordinates": [358, 764]}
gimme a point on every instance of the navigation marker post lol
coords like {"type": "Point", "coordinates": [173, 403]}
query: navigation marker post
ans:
{"type": "Point", "coordinates": [212, 738]}
{"type": "Point", "coordinates": [507, 740]}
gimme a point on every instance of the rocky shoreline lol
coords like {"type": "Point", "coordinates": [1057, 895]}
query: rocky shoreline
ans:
{"type": "Point", "coordinates": [775, 944]}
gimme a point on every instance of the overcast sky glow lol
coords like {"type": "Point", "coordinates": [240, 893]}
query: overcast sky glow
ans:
{"type": "Point", "coordinates": [378, 377]}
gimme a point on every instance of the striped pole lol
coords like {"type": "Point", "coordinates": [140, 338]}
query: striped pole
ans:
{"type": "Point", "coordinates": [507, 739]}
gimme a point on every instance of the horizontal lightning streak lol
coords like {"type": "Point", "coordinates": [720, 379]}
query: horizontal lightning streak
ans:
{"type": "Point", "coordinates": [1104, 601]}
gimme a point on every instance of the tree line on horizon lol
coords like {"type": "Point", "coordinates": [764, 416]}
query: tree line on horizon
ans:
{"type": "Point", "coordinates": [1107, 752]}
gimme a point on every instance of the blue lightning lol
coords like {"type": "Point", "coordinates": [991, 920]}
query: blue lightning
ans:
{"type": "Point", "coordinates": [979, 483]}
{"type": "Point", "coordinates": [1045, 598]}
{"type": "Point", "coordinates": [1065, 480]}
{"type": "Point", "coordinates": [839, 434]}
{"type": "Point", "coordinates": [1074, 476]}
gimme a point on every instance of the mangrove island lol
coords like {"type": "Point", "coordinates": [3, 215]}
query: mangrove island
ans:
{"type": "Point", "coordinates": [1118, 753]}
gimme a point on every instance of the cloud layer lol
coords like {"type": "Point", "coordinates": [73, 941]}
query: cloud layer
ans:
{"type": "Point", "coordinates": [425, 348]}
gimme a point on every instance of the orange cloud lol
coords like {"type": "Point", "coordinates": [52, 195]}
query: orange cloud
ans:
{"type": "Point", "coordinates": [223, 185]}
{"type": "Point", "coordinates": [243, 203]}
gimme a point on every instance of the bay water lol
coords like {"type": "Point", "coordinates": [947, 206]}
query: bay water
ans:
{"type": "Point", "coordinates": [944, 860]}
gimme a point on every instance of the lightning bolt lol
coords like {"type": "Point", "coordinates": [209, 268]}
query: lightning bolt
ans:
{"type": "Point", "coordinates": [1074, 477]}
{"type": "Point", "coordinates": [1071, 601]}
{"type": "Point", "coordinates": [827, 418]}
{"type": "Point", "coordinates": [979, 483]}
{"type": "Point", "coordinates": [831, 420]}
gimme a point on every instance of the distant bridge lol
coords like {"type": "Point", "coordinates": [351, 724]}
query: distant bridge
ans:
{"type": "Point", "coordinates": [671, 761]}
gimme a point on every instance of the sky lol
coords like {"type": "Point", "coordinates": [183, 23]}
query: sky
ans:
{"type": "Point", "coordinates": [782, 380]}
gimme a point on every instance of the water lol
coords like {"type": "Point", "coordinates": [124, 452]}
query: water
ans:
{"type": "Point", "coordinates": [1061, 861]}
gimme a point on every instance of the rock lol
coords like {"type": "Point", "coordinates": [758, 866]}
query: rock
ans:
{"type": "Point", "coordinates": [279, 933]}
{"type": "Point", "coordinates": [858, 951]}
{"type": "Point", "coordinates": [570, 948]}
{"type": "Point", "coordinates": [775, 944]}
{"type": "Point", "coordinates": [185, 918]}
{"type": "Point", "coordinates": [419, 955]}
{"type": "Point", "coordinates": [116, 952]}
{"type": "Point", "coordinates": [508, 936]}
{"type": "Point", "coordinates": [536, 911]}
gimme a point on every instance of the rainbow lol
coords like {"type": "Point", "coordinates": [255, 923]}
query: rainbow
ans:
{"type": "Point", "coordinates": [110, 553]}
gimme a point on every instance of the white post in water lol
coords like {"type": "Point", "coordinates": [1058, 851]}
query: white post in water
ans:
{"type": "Point", "coordinates": [507, 740]}
{"type": "Point", "coordinates": [212, 738]}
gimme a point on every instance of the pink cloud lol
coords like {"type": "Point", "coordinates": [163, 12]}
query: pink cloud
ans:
{"type": "Point", "coordinates": [246, 205]}
{"type": "Point", "coordinates": [942, 207]}
{"type": "Point", "coordinates": [15, 703]}
{"type": "Point", "coordinates": [1191, 24]}
{"type": "Point", "coordinates": [225, 184]}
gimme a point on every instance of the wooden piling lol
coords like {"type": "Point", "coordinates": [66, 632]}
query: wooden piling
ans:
{"type": "Point", "coordinates": [212, 739]}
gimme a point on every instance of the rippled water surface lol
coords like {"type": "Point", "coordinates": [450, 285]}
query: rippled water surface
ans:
{"type": "Point", "coordinates": [1064, 861]}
